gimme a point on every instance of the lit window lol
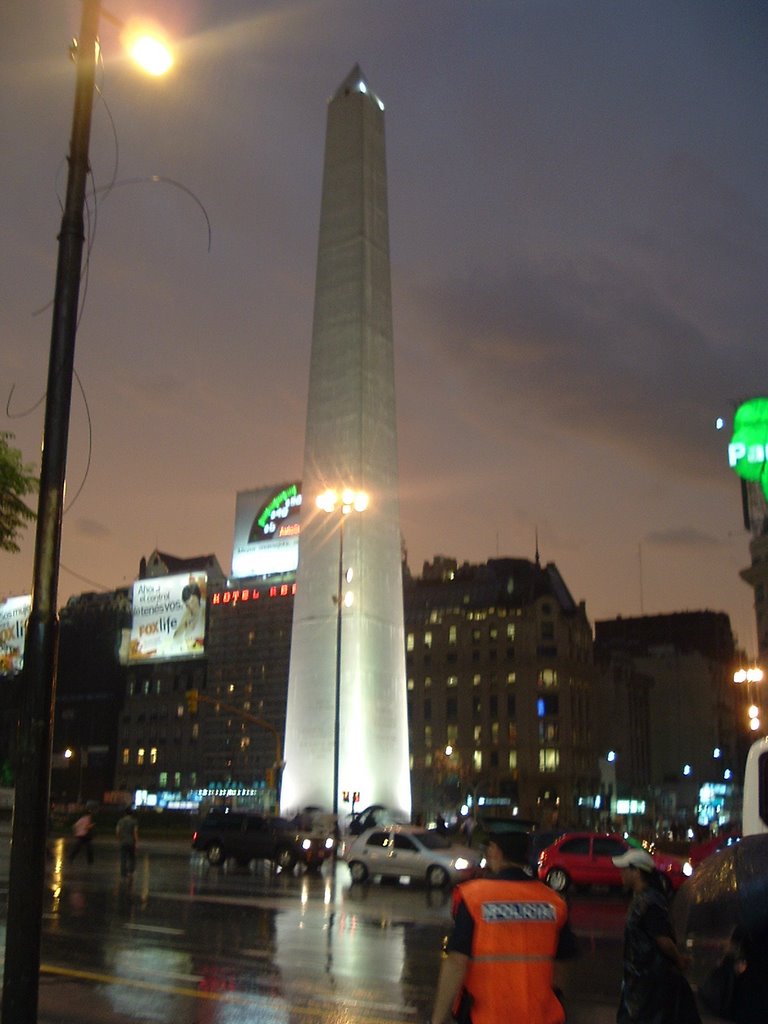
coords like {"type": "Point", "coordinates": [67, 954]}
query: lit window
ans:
{"type": "Point", "coordinates": [163, 780]}
{"type": "Point", "coordinates": [428, 639]}
{"type": "Point", "coordinates": [140, 757]}
{"type": "Point", "coordinates": [511, 678]}
{"type": "Point", "coordinates": [177, 779]}
{"type": "Point", "coordinates": [231, 687]}
{"type": "Point", "coordinates": [427, 682]}
{"type": "Point", "coordinates": [452, 635]}
{"type": "Point", "coordinates": [494, 732]}
{"type": "Point", "coordinates": [409, 642]}
{"type": "Point", "coordinates": [512, 760]}
{"type": "Point", "coordinates": [510, 631]}
{"type": "Point", "coordinates": [493, 633]}
{"type": "Point", "coordinates": [410, 684]}
{"type": "Point", "coordinates": [428, 737]}
{"type": "Point", "coordinates": [126, 755]}
{"type": "Point", "coordinates": [477, 760]}
{"type": "Point", "coordinates": [477, 679]}
{"type": "Point", "coordinates": [179, 710]}
{"type": "Point", "coordinates": [452, 681]}
{"type": "Point", "coordinates": [547, 677]}
{"type": "Point", "coordinates": [549, 759]}
{"type": "Point", "coordinates": [153, 755]}
{"type": "Point", "coordinates": [478, 733]}
{"type": "Point", "coordinates": [428, 759]}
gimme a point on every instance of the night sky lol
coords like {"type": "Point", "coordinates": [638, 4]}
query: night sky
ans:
{"type": "Point", "coordinates": [578, 220]}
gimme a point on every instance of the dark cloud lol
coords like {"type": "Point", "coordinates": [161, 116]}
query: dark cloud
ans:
{"type": "Point", "coordinates": [682, 537]}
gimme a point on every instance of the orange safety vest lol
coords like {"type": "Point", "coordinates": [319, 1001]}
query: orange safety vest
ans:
{"type": "Point", "coordinates": [516, 929]}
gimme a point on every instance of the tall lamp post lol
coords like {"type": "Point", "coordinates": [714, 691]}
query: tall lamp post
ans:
{"type": "Point", "coordinates": [35, 729]}
{"type": "Point", "coordinates": [341, 503]}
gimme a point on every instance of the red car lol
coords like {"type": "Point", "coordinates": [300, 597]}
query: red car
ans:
{"type": "Point", "coordinates": [584, 858]}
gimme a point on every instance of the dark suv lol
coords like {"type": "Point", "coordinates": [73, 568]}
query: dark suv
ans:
{"type": "Point", "coordinates": [247, 836]}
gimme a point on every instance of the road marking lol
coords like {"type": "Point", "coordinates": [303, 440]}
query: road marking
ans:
{"type": "Point", "coordinates": [157, 929]}
{"type": "Point", "coordinates": [235, 998]}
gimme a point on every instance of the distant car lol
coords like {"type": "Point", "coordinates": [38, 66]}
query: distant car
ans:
{"type": "Point", "coordinates": [246, 836]}
{"type": "Point", "coordinates": [585, 858]}
{"type": "Point", "coordinates": [374, 814]}
{"type": "Point", "coordinates": [397, 851]}
{"type": "Point", "coordinates": [484, 824]}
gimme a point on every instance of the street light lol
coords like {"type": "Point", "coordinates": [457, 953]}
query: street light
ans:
{"type": "Point", "coordinates": [341, 503]}
{"type": "Point", "coordinates": [751, 676]}
{"type": "Point", "coordinates": [33, 770]}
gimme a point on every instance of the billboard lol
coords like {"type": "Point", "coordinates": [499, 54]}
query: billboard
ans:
{"type": "Point", "coordinates": [266, 531]}
{"type": "Point", "coordinates": [168, 619]}
{"type": "Point", "coordinates": [14, 613]}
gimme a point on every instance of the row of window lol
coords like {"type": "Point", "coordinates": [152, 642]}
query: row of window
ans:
{"type": "Point", "coordinates": [549, 760]}
{"type": "Point", "coordinates": [546, 678]}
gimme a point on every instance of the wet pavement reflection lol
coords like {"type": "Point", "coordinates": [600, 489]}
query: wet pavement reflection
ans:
{"type": "Point", "coordinates": [189, 943]}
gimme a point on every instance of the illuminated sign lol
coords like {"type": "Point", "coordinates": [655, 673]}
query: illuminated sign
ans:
{"type": "Point", "coordinates": [748, 450]}
{"type": "Point", "coordinates": [13, 629]}
{"type": "Point", "coordinates": [267, 531]}
{"type": "Point", "coordinates": [243, 595]}
{"type": "Point", "coordinates": [168, 617]}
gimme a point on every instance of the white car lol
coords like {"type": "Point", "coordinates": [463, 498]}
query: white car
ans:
{"type": "Point", "coordinates": [405, 850]}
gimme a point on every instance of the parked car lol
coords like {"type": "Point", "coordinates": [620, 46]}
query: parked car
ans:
{"type": "Point", "coordinates": [247, 836]}
{"type": "Point", "coordinates": [398, 851]}
{"type": "Point", "coordinates": [584, 858]}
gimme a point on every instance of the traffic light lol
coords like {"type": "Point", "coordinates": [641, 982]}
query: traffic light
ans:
{"type": "Point", "coordinates": [192, 696]}
{"type": "Point", "coordinates": [345, 795]}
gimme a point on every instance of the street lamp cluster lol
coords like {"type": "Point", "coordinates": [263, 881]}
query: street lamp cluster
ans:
{"type": "Point", "coordinates": [751, 677]}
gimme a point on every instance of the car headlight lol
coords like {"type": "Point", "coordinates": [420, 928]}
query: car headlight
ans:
{"type": "Point", "coordinates": [306, 844]}
{"type": "Point", "coordinates": [687, 869]}
{"type": "Point", "coordinates": [461, 863]}
{"type": "Point", "coordinates": [329, 843]}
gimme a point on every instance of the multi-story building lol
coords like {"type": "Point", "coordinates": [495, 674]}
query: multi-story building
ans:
{"type": "Point", "coordinates": [499, 675]}
{"type": "Point", "coordinates": [681, 664]}
{"type": "Point", "coordinates": [158, 740]}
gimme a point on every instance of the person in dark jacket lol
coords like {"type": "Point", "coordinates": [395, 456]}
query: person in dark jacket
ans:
{"type": "Point", "coordinates": [654, 989]}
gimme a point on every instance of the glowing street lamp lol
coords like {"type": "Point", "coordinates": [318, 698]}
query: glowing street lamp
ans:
{"type": "Point", "coordinates": [341, 503]}
{"type": "Point", "coordinates": [30, 816]}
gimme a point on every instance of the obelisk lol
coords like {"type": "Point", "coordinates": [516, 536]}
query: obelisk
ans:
{"type": "Point", "coordinates": [347, 669]}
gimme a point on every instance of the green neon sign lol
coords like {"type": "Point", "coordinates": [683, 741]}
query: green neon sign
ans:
{"type": "Point", "coordinates": [748, 450]}
{"type": "Point", "coordinates": [277, 502]}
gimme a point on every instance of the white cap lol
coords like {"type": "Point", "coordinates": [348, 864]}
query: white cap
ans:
{"type": "Point", "coordinates": [634, 858]}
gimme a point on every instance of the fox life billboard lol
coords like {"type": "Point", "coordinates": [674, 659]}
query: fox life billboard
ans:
{"type": "Point", "coordinates": [14, 613]}
{"type": "Point", "coordinates": [168, 619]}
{"type": "Point", "coordinates": [266, 531]}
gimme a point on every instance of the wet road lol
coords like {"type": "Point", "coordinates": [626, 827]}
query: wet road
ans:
{"type": "Point", "coordinates": [192, 944]}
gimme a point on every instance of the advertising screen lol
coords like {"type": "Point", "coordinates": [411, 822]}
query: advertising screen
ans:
{"type": "Point", "coordinates": [168, 617]}
{"type": "Point", "coordinates": [267, 531]}
{"type": "Point", "coordinates": [14, 613]}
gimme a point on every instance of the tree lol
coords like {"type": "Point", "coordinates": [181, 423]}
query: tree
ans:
{"type": "Point", "coordinates": [17, 480]}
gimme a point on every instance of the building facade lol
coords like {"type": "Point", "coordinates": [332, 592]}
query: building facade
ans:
{"type": "Point", "coordinates": [499, 676]}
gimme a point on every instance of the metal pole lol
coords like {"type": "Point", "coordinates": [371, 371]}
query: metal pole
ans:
{"type": "Point", "coordinates": [337, 704]}
{"type": "Point", "coordinates": [35, 732]}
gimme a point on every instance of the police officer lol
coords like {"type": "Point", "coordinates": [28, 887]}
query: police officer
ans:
{"type": "Point", "coordinates": [507, 931]}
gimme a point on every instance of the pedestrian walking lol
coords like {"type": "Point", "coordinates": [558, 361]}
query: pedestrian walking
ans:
{"type": "Point", "coordinates": [127, 832]}
{"type": "Point", "coordinates": [654, 989]}
{"type": "Point", "coordinates": [507, 931]}
{"type": "Point", "coordinates": [82, 830]}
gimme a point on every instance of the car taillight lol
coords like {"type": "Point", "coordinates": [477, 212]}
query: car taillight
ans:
{"type": "Point", "coordinates": [194, 837]}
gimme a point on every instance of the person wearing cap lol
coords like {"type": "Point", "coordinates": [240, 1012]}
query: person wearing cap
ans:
{"type": "Point", "coordinates": [653, 990]}
{"type": "Point", "coordinates": [507, 931]}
